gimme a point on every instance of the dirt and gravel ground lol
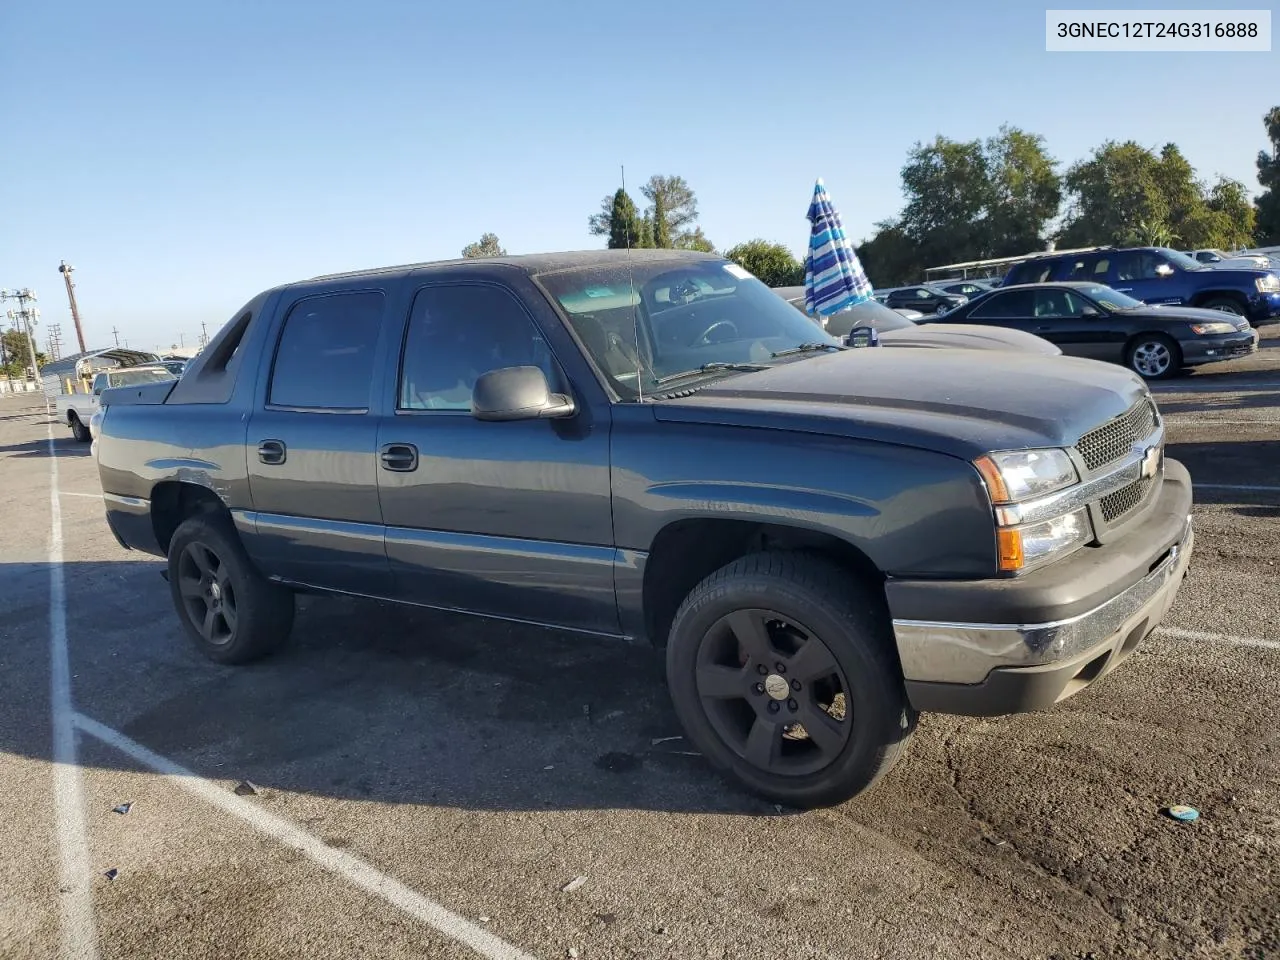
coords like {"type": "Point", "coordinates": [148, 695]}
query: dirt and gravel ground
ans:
{"type": "Point", "coordinates": [408, 761]}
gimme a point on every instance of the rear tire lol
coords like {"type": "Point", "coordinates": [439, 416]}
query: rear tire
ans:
{"type": "Point", "coordinates": [78, 429]}
{"type": "Point", "coordinates": [1154, 356]}
{"type": "Point", "coordinates": [775, 640]}
{"type": "Point", "coordinates": [229, 610]}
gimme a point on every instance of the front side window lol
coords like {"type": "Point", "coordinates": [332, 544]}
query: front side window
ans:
{"type": "Point", "coordinates": [1057, 304]}
{"type": "Point", "coordinates": [458, 332]}
{"type": "Point", "coordinates": [660, 320]}
{"type": "Point", "coordinates": [325, 358]}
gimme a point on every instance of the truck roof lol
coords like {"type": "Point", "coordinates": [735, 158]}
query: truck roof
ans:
{"type": "Point", "coordinates": [535, 263]}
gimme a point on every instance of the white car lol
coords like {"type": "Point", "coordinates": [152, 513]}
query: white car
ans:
{"type": "Point", "coordinates": [77, 410]}
{"type": "Point", "coordinates": [1219, 259]}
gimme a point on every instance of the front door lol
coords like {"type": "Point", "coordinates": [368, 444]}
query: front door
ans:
{"type": "Point", "coordinates": [1060, 318]}
{"type": "Point", "coordinates": [312, 445]}
{"type": "Point", "coordinates": [511, 519]}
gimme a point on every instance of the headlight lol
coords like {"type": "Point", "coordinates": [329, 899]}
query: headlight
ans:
{"type": "Point", "coordinates": [1269, 283]}
{"type": "Point", "coordinates": [1022, 474]}
{"type": "Point", "coordinates": [1206, 329]}
{"type": "Point", "coordinates": [1021, 548]}
{"type": "Point", "coordinates": [1016, 477]}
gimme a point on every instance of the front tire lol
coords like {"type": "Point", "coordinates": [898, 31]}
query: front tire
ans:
{"type": "Point", "coordinates": [79, 430]}
{"type": "Point", "coordinates": [229, 610]}
{"type": "Point", "coordinates": [1153, 356]}
{"type": "Point", "coordinates": [783, 674]}
{"type": "Point", "coordinates": [1226, 305]}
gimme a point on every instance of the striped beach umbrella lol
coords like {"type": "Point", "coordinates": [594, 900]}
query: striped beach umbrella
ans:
{"type": "Point", "coordinates": [833, 277]}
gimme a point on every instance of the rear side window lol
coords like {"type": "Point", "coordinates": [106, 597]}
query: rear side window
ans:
{"type": "Point", "coordinates": [325, 356]}
{"type": "Point", "coordinates": [458, 332]}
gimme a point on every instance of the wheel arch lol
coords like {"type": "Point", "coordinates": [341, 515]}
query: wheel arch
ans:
{"type": "Point", "coordinates": [174, 501]}
{"type": "Point", "coordinates": [1204, 296]}
{"type": "Point", "coordinates": [686, 551]}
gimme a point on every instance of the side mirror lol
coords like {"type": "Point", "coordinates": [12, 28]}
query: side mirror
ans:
{"type": "Point", "coordinates": [1164, 270]}
{"type": "Point", "coordinates": [518, 393]}
{"type": "Point", "coordinates": [862, 337]}
{"type": "Point", "coordinates": [1089, 311]}
{"type": "Point", "coordinates": [97, 391]}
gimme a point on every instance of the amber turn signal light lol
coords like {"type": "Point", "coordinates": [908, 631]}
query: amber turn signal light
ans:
{"type": "Point", "coordinates": [990, 473]}
{"type": "Point", "coordinates": [1009, 549]}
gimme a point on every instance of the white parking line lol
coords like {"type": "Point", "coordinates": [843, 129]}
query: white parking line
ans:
{"type": "Point", "coordinates": [72, 493]}
{"type": "Point", "coordinates": [1176, 419]}
{"type": "Point", "coordinates": [1243, 487]}
{"type": "Point", "coordinates": [1200, 636]}
{"type": "Point", "coordinates": [79, 934]}
{"type": "Point", "coordinates": [344, 865]}
{"type": "Point", "coordinates": [1204, 386]}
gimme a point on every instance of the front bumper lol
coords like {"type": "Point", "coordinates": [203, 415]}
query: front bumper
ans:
{"type": "Point", "coordinates": [1058, 635]}
{"type": "Point", "coordinates": [1264, 309]}
{"type": "Point", "coordinates": [1225, 347]}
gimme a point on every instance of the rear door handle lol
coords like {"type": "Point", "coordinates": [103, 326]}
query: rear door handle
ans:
{"type": "Point", "coordinates": [272, 452]}
{"type": "Point", "coordinates": [399, 457]}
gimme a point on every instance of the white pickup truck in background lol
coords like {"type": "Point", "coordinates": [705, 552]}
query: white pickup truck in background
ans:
{"type": "Point", "coordinates": [77, 409]}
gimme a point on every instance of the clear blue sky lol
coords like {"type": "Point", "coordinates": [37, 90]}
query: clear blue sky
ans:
{"type": "Point", "coordinates": [184, 156]}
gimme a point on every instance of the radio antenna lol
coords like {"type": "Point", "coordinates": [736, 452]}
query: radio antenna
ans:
{"type": "Point", "coordinates": [635, 318]}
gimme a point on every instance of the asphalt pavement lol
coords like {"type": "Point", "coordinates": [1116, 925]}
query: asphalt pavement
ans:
{"type": "Point", "coordinates": [426, 785]}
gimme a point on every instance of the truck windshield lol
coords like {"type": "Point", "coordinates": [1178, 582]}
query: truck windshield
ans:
{"type": "Point", "coordinates": [653, 321]}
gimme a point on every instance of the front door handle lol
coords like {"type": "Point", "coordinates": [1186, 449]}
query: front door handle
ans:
{"type": "Point", "coordinates": [399, 457]}
{"type": "Point", "coordinates": [1124, 289]}
{"type": "Point", "coordinates": [272, 452]}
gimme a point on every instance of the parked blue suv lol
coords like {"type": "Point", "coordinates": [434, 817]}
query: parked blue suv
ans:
{"type": "Point", "coordinates": [1158, 275]}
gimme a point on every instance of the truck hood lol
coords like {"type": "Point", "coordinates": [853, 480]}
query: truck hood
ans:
{"type": "Point", "coordinates": [969, 335]}
{"type": "Point", "coordinates": [960, 402]}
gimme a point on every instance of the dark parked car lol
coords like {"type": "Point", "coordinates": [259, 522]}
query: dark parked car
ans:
{"type": "Point", "coordinates": [1090, 320]}
{"type": "Point", "coordinates": [1160, 275]}
{"type": "Point", "coordinates": [654, 446]}
{"type": "Point", "coordinates": [963, 288]}
{"type": "Point", "coordinates": [925, 298]}
{"type": "Point", "coordinates": [895, 330]}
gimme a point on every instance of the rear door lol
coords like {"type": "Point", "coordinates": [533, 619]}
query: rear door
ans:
{"type": "Point", "coordinates": [1146, 275]}
{"type": "Point", "coordinates": [509, 519]}
{"type": "Point", "coordinates": [312, 442]}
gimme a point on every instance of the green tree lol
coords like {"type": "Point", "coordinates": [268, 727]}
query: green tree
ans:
{"type": "Point", "coordinates": [659, 223]}
{"type": "Point", "coordinates": [18, 354]}
{"type": "Point", "coordinates": [948, 193]}
{"type": "Point", "coordinates": [1025, 192]}
{"type": "Point", "coordinates": [772, 263]}
{"type": "Point", "coordinates": [486, 246]}
{"type": "Point", "coordinates": [695, 240]}
{"type": "Point", "coordinates": [1267, 204]}
{"type": "Point", "coordinates": [619, 220]}
{"type": "Point", "coordinates": [890, 257]}
{"type": "Point", "coordinates": [1110, 193]}
{"type": "Point", "coordinates": [672, 210]}
{"type": "Point", "coordinates": [1235, 216]}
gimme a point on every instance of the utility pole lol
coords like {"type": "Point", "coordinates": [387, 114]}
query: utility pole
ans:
{"type": "Point", "coordinates": [66, 270]}
{"type": "Point", "coordinates": [29, 317]}
{"type": "Point", "coordinates": [116, 333]}
{"type": "Point", "coordinates": [204, 335]}
{"type": "Point", "coordinates": [55, 341]}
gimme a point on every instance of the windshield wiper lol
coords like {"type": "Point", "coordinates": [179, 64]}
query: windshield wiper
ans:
{"type": "Point", "coordinates": [711, 368]}
{"type": "Point", "coordinates": [809, 348]}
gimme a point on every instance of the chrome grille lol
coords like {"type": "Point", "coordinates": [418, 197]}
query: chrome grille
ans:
{"type": "Point", "coordinates": [1116, 505]}
{"type": "Point", "coordinates": [1111, 441]}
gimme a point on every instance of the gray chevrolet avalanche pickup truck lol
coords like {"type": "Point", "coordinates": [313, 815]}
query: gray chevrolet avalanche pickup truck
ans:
{"type": "Point", "coordinates": [654, 446]}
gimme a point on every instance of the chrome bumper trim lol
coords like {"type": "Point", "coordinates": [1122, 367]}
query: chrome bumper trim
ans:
{"type": "Point", "coordinates": [941, 652]}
